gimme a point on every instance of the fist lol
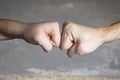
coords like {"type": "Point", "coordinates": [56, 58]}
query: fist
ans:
{"type": "Point", "coordinates": [45, 34]}
{"type": "Point", "coordinates": [79, 39]}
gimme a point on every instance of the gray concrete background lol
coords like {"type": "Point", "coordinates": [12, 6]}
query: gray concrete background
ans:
{"type": "Point", "coordinates": [19, 57]}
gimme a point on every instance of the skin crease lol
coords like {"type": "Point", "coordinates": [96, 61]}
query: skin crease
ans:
{"type": "Point", "coordinates": [78, 39]}
{"type": "Point", "coordinates": [45, 34]}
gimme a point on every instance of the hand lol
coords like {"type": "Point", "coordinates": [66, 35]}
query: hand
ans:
{"type": "Point", "coordinates": [45, 34]}
{"type": "Point", "coordinates": [79, 39]}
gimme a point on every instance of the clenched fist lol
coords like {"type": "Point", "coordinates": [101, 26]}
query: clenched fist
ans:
{"type": "Point", "coordinates": [45, 34]}
{"type": "Point", "coordinates": [79, 39]}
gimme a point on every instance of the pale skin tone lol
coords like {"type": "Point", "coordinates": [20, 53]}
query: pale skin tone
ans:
{"type": "Point", "coordinates": [77, 39]}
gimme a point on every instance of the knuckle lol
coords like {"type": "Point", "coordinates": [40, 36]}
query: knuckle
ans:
{"type": "Point", "coordinates": [55, 24]}
{"type": "Point", "coordinates": [67, 25]}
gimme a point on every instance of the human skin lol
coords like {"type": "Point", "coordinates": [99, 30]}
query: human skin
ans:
{"type": "Point", "coordinates": [78, 39]}
{"type": "Point", "coordinates": [45, 34]}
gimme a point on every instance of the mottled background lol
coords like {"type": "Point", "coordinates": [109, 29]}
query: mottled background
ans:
{"type": "Point", "coordinates": [19, 57]}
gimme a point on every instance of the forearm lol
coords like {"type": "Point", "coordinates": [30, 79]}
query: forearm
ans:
{"type": "Point", "coordinates": [10, 29]}
{"type": "Point", "coordinates": [111, 33]}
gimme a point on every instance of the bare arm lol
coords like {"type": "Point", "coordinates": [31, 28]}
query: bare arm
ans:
{"type": "Point", "coordinates": [111, 32]}
{"type": "Point", "coordinates": [45, 34]}
{"type": "Point", "coordinates": [10, 29]}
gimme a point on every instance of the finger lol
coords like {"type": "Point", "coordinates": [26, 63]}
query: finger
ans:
{"type": "Point", "coordinates": [55, 35]}
{"type": "Point", "coordinates": [66, 43]}
{"type": "Point", "coordinates": [44, 42]}
{"type": "Point", "coordinates": [75, 50]}
{"type": "Point", "coordinates": [66, 39]}
{"type": "Point", "coordinates": [72, 51]}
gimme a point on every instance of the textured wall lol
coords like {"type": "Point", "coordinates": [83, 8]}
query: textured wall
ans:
{"type": "Point", "coordinates": [18, 57]}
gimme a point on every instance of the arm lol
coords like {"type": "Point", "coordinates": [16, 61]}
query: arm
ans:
{"type": "Point", "coordinates": [45, 34]}
{"type": "Point", "coordinates": [79, 39]}
{"type": "Point", "coordinates": [10, 29]}
{"type": "Point", "coordinates": [111, 33]}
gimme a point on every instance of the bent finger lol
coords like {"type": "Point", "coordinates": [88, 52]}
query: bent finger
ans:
{"type": "Point", "coordinates": [55, 35]}
{"type": "Point", "coordinates": [44, 42]}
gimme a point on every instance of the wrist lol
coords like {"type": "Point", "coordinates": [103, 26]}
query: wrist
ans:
{"type": "Point", "coordinates": [24, 29]}
{"type": "Point", "coordinates": [104, 31]}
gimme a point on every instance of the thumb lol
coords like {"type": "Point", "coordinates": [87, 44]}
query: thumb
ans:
{"type": "Point", "coordinates": [44, 42]}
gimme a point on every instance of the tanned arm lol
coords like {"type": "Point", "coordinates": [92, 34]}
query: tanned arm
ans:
{"type": "Point", "coordinates": [10, 29]}
{"type": "Point", "coordinates": [45, 34]}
